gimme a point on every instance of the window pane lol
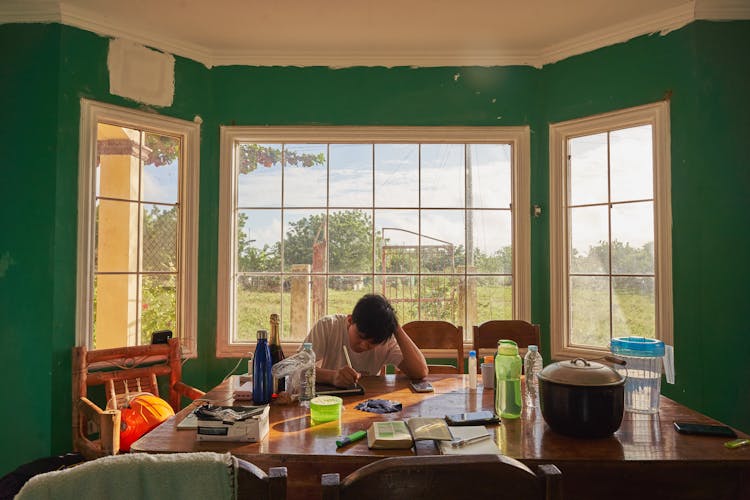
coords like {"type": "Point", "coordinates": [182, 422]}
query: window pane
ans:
{"type": "Point", "coordinates": [589, 311]}
{"type": "Point", "coordinates": [115, 307]}
{"type": "Point", "coordinates": [403, 294]}
{"type": "Point", "coordinates": [304, 235]}
{"type": "Point", "coordinates": [305, 167]}
{"type": "Point", "coordinates": [489, 175]}
{"type": "Point", "coordinates": [117, 236]}
{"type": "Point", "coordinates": [396, 175]}
{"type": "Point", "coordinates": [258, 240]}
{"type": "Point", "coordinates": [633, 238]}
{"type": "Point", "coordinates": [589, 237]}
{"type": "Point", "coordinates": [631, 157]}
{"type": "Point", "coordinates": [257, 298]}
{"type": "Point", "coordinates": [439, 299]}
{"type": "Point", "coordinates": [259, 175]}
{"type": "Point", "coordinates": [397, 244]}
{"type": "Point", "coordinates": [442, 240]}
{"type": "Point", "coordinates": [119, 162]}
{"type": "Point", "coordinates": [350, 175]}
{"type": "Point", "coordinates": [158, 305]}
{"type": "Point", "coordinates": [159, 238]}
{"type": "Point", "coordinates": [442, 175]}
{"type": "Point", "coordinates": [494, 297]}
{"type": "Point", "coordinates": [350, 240]}
{"type": "Point", "coordinates": [344, 292]}
{"type": "Point", "coordinates": [490, 250]}
{"type": "Point", "coordinates": [161, 169]}
{"type": "Point", "coordinates": [588, 169]}
{"type": "Point", "coordinates": [633, 310]}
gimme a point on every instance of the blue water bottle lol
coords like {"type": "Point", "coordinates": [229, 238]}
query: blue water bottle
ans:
{"type": "Point", "coordinates": [262, 378]}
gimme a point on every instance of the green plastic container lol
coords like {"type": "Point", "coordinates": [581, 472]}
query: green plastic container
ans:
{"type": "Point", "coordinates": [508, 380]}
{"type": "Point", "coordinates": [325, 409]}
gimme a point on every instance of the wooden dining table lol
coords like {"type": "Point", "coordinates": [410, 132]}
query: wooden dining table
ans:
{"type": "Point", "coordinates": [645, 458]}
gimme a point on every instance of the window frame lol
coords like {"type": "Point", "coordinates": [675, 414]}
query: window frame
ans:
{"type": "Point", "coordinates": [656, 115]}
{"type": "Point", "coordinates": [93, 112]}
{"type": "Point", "coordinates": [517, 137]}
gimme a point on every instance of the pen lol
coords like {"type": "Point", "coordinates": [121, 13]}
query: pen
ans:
{"type": "Point", "coordinates": [346, 354]}
{"type": "Point", "coordinates": [462, 442]}
{"type": "Point", "coordinates": [355, 436]}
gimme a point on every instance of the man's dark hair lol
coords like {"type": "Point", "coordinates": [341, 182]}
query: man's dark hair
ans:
{"type": "Point", "coordinates": [375, 318]}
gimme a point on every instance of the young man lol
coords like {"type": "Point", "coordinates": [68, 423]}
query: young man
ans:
{"type": "Point", "coordinates": [371, 336]}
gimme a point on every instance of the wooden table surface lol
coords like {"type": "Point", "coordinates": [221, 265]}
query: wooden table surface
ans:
{"type": "Point", "coordinates": [646, 448]}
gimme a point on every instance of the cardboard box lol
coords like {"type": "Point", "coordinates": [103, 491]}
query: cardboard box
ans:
{"type": "Point", "coordinates": [247, 424]}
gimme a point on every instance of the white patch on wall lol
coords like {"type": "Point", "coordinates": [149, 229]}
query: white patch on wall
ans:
{"type": "Point", "coordinates": [141, 74]}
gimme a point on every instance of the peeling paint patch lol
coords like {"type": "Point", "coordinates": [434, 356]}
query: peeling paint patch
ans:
{"type": "Point", "coordinates": [5, 262]}
{"type": "Point", "coordinates": [140, 74]}
{"type": "Point", "coordinates": [456, 77]}
{"type": "Point", "coordinates": [494, 100]}
{"type": "Point", "coordinates": [499, 117]}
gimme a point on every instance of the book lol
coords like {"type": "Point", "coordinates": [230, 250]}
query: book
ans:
{"type": "Point", "coordinates": [477, 439]}
{"type": "Point", "coordinates": [242, 387]}
{"type": "Point", "coordinates": [400, 434]}
{"type": "Point", "coordinates": [332, 390]}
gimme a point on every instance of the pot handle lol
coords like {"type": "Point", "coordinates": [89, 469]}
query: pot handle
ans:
{"type": "Point", "coordinates": [575, 362]}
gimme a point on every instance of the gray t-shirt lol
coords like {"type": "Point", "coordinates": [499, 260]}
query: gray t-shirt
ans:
{"type": "Point", "coordinates": [329, 335]}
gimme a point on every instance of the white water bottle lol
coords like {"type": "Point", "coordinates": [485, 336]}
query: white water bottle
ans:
{"type": "Point", "coordinates": [532, 366]}
{"type": "Point", "coordinates": [472, 370]}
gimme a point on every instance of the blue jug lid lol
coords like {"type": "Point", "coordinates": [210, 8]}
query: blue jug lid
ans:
{"type": "Point", "coordinates": [637, 346]}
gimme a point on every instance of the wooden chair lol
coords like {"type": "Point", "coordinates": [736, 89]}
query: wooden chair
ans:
{"type": "Point", "coordinates": [121, 371]}
{"type": "Point", "coordinates": [171, 475]}
{"type": "Point", "coordinates": [445, 476]}
{"type": "Point", "coordinates": [521, 332]}
{"type": "Point", "coordinates": [438, 335]}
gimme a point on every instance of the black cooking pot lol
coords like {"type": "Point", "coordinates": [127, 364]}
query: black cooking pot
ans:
{"type": "Point", "coordinates": [582, 398]}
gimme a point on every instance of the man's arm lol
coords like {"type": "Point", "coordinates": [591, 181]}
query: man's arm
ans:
{"type": "Point", "coordinates": [413, 365]}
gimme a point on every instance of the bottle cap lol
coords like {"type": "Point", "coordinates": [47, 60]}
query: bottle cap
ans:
{"type": "Point", "coordinates": [262, 334]}
{"type": "Point", "coordinates": [507, 347]}
{"type": "Point", "coordinates": [472, 354]}
{"type": "Point", "coordinates": [533, 347]}
{"type": "Point", "coordinates": [489, 359]}
{"type": "Point", "coordinates": [307, 345]}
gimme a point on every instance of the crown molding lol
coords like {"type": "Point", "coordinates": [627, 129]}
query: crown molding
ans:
{"type": "Point", "coordinates": [46, 11]}
{"type": "Point", "coordinates": [722, 10]}
{"type": "Point", "coordinates": [663, 22]}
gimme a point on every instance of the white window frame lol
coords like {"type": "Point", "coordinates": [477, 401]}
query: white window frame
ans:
{"type": "Point", "coordinates": [92, 113]}
{"type": "Point", "coordinates": [657, 115]}
{"type": "Point", "coordinates": [518, 137]}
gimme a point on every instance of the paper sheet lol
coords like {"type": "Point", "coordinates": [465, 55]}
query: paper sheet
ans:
{"type": "Point", "coordinates": [485, 446]}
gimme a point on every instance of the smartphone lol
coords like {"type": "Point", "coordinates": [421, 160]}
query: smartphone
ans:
{"type": "Point", "coordinates": [422, 386]}
{"type": "Point", "coordinates": [472, 418]}
{"type": "Point", "coordinates": [704, 429]}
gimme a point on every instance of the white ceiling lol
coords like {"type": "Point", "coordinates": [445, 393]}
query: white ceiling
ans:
{"type": "Point", "coordinates": [341, 33]}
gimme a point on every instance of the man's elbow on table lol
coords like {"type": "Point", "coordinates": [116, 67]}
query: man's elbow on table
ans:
{"type": "Point", "coordinates": [416, 372]}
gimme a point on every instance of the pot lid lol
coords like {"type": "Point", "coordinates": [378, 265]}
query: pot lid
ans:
{"type": "Point", "coordinates": [582, 373]}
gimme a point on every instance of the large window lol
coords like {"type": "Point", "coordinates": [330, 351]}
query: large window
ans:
{"type": "Point", "coordinates": [314, 217]}
{"type": "Point", "coordinates": [137, 228]}
{"type": "Point", "coordinates": [610, 229]}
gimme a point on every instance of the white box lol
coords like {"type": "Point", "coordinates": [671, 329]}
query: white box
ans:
{"type": "Point", "coordinates": [248, 430]}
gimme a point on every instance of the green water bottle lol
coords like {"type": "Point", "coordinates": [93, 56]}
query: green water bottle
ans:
{"type": "Point", "coordinates": [507, 380]}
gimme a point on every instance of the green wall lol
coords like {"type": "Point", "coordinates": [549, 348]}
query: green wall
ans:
{"type": "Point", "coordinates": [46, 69]}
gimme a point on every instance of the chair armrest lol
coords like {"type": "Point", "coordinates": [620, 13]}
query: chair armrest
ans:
{"type": "Point", "coordinates": [109, 430]}
{"type": "Point", "coordinates": [330, 485]}
{"type": "Point", "coordinates": [188, 391]}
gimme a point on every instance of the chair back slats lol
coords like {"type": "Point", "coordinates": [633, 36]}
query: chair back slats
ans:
{"type": "Point", "coordinates": [438, 335]}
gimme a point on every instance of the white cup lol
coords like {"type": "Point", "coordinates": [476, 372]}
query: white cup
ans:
{"type": "Point", "coordinates": [488, 375]}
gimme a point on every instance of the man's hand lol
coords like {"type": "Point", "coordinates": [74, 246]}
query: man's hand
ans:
{"type": "Point", "coordinates": [345, 377]}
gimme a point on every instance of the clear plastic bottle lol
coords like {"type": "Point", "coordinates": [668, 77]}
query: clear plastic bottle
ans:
{"type": "Point", "coordinates": [472, 369]}
{"type": "Point", "coordinates": [262, 379]}
{"type": "Point", "coordinates": [507, 380]}
{"type": "Point", "coordinates": [532, 366]}
{"type": "Point", "coordinates": [307, 384]}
